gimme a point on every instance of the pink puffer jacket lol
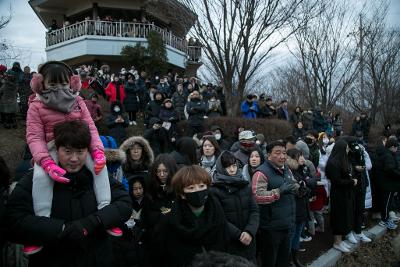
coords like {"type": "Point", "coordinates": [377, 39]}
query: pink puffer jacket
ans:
{"type": "Point", "coordinates": [41, 121]}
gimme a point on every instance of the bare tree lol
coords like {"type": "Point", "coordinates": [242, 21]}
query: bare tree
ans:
{"type": "Point", "coordinates": [6, 50]}
{"type": "Point", "coordinates": [238, 37]}
{"type": "Point", "coordinates": [288, 82]}
{"type": "Point", "coordinates": [382, 57]}
{"type": "Point", "coordinates": [327, 56]}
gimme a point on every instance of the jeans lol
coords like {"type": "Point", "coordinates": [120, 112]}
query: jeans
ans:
{"type": "Point", "coordinates": [296, 233]}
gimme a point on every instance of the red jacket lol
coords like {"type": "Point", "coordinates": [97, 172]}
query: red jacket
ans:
{"type": "Point", "coordinates": [111, 92]}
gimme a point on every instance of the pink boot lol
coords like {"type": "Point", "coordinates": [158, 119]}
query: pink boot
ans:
{"type": "Point", "coordinates": [29, 250]}
{"type": "Point", "coordinates": [114, 231]}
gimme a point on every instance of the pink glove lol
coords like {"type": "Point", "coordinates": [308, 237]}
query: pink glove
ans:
{"type": "Point", "coordinates": [99, 160]}
{"type": "Point", "coordinates": [54, 171]}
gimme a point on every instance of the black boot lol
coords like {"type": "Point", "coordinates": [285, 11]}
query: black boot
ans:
{"type": "Point", "coordinates": [295, 260]}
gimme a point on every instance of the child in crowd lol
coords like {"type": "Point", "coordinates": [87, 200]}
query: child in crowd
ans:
{"type": "Point", "coordinates": [136, 191]}
{"type": "Point", "coordinates": [57, 100]}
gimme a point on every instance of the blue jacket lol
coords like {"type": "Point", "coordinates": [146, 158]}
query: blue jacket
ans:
{"type": "Point", "coordinates": [247, 112]}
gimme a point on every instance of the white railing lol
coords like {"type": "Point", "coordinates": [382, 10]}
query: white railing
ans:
{"type": "Point", "coordinates": [194, 53]}
{"type": "Point", "coordinates": [118, 29]}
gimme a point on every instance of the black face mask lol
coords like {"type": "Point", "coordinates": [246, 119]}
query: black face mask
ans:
{"type": "Point", "coordinates": [197, 199]}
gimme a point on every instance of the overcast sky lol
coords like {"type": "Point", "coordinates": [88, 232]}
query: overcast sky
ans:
{"type": "Point", "coordinates": [26, 33]}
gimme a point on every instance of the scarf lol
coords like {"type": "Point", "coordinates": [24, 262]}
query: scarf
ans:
{"type": "Point", "coordinates": [207, 163]}
{"type": "Point", "coordinates": [58, 98]}
{"type": "Point", "coordinates": [203, 231]}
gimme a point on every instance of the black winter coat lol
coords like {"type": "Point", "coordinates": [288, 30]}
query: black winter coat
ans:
{"type": "Point", "coordinates": [158, 139]}
{"type": "Point", "coordinates": [117, 129]}
{"type": "Point", "coordinates": [341, 198]}
{"type": "Point", "coordinates": [182, 235]}
{"type": "Point", "coordinates": [179, 102]}
{"type": "Point", "coordinates": [152, 110]}
{"type": "Point", "coordinates": [131, 101]}
{"type": "Point", "coordinates": [240, 209]}
{"type": "Point", "coordinates": [196, 110]}
{"type": "Point", "coordinates": [71, 202]}
{"type": "Point", "coordinates": [390, 177]}
{"type": "Point", "coordinates": [307, 186]}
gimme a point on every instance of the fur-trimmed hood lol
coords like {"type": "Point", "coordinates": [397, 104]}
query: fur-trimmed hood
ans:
{"type": "Point", "coordinates": [128, 143]}
{"type": "Point", "coordinates": [114, 155]}
{"type": "Point", "coordinates": [293, 164]}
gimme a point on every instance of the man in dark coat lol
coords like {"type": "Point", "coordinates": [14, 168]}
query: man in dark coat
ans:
{"type": "Point", "coordinates": [282, 111]}
{"type": "Point", "coordinates": [196, 109]}
{"type": "Point", "coordinates": [273, 187]}
{"type": "Point", "coordinates": [75, 233]}
{"type": "Point", "coordinates": [179, 101]}
{"type": "Point", "coordinates": [389, 180]}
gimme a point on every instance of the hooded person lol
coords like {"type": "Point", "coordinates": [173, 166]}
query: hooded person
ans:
{"type": "Point", "coordinates": [117, 121]}
{"type": "Point", "coordinates": [157, 136]}
{"type": "Point", "coordinates": [137, 160]}
{"type": "Point", "coordinates": [247, 141]}
{"type": "Point", "coordinates": [219, 136]}
{"type": "Point", "coordinates": [240, 208]}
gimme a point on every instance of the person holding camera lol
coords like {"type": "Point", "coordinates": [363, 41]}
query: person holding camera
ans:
{"type": "Point", "coordinates": [297, 164]}
{"type": "Point", "coordinates": [359, 160]}
{"type": "Point", "coordinates": [338, 171]}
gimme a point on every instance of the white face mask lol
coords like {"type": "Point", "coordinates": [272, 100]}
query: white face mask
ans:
{"type": "Point", "coordinates": [325, 141]}
{"type": "Point", "coordinates": [117, 109]}
{"type": "Point", "coordinates": [217, 136]}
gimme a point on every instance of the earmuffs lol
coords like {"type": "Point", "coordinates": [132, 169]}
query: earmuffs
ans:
{"type": "Point", "coordinates": [37, 84]}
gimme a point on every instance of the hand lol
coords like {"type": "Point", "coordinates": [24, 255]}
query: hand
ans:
{"type": "Point", "coordinates": [360, 168]}
{"type": "Point", "coordinates": [78, 229]}
{"type": "Point", "coordinates": [245, 238]}
{"type": "Point", "coordinates": [99, 160]}
{"type": "Point", "coordinates": [355, 182]}
{"type": "Point", "coordinates": [286, 188]}
{"type": "Point", "coordinates": [54, 171]}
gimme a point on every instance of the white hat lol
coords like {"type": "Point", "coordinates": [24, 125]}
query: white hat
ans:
{"type": "Point", "coordinates": [246, 135]}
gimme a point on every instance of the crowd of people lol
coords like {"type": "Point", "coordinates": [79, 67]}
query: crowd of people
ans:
{"type": "Point", "coordinates": [169, 196]}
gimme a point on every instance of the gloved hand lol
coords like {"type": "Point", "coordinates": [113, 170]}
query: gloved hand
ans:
{"type": "Point", "coordinates": [54, 171]}
{"type": "Point", "coordinates": [78, 229]}
{"type": "Point", "coordinates": [286, 188]}
{"type": "Point", "coordinates": [99, 160]}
